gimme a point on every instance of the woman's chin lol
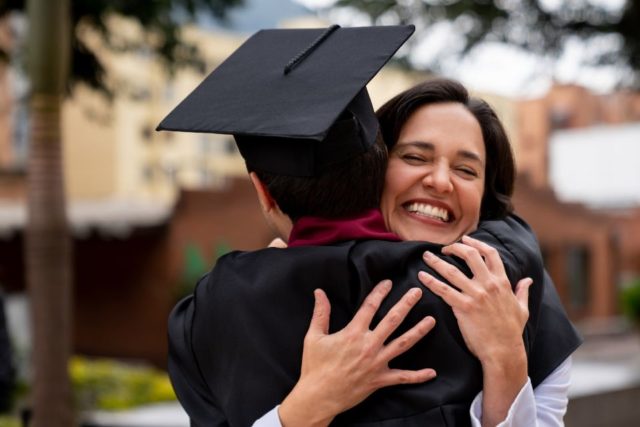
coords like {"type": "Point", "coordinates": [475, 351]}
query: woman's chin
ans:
{"type": "Point", "coordinates": [440, 236]}
{"type": "Point", "coordinates": [417, 228]}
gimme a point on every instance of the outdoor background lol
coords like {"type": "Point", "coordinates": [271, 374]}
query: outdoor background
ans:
{"type": "Point", "coordinates": [105, 224]}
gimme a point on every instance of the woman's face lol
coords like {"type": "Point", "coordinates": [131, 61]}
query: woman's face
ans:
{"type": "Point", "coordinates": [435, 176]}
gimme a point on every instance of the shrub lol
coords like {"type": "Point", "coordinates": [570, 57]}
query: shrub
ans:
{"type": "Point", "coordinates": [8, 421]}
{"type": "Point", "coordinates": [630, 300]}
{"type": "Point", "coordinates": [108, 384]}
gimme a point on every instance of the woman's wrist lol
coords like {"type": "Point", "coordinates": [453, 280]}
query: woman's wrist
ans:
{"type": "Point", "coordinates": [302, 407]}
{"type": "Point", "coordinates": [509, 365]}
{"type": "Point", "coordinates": [504, 375]}
{"type": "Point", "coordinates": [507, 357]}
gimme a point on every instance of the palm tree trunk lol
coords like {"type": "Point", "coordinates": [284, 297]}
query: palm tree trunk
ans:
{"type": "Point", "coordinates": [48, 244]}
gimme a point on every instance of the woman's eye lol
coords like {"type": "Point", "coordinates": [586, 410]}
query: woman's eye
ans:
{"type": "Point", "coordinates": [413, 158]}
{"type": "Point", "coordinates": [468, 172]}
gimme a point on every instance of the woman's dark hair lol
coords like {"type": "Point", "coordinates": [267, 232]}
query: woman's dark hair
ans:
{"type": "Point", "coordinates": [345, 189]}
{"type": "Point", "coordinates": [500, 167]}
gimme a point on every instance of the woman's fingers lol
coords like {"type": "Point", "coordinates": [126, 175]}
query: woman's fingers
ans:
{"type": "Point", "coordinates": [489, 253]}
{"type": "Point", "coordinates": [450, 295]}
{"type": "Point", "coordinates": [450, 272]}
{"type": "Point", "coordinates": [471, 256]}
{"type": "Point", "coordinates": [408, 339]}
{"type": "Point", "coordinates": [397, 314]}
{"type": "Point", "coordinates": [370, 306]}
{"type": "Point", "coordinates": [278, 243]}
{"type": "Point", "coordinates": [522, 292]}
{"type": "Point", "coordinates": [400, 376]}
{"type": "Point", "coordinates": [321, 313]}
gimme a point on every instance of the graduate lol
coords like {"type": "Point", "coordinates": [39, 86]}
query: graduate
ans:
{"type": "Point", "coordinates": [296, 103]}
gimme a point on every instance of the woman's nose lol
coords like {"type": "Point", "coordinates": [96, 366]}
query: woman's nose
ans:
{"type": "Point", "coordinates": [439, 178]}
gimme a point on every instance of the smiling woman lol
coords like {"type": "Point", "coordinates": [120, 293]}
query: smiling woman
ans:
{"type": "Point", "coordinates": [440, 183]}
{"type": "Point", "coordinates": [450, 166]}
{"type": "Point", "coordinates": [435, 177]}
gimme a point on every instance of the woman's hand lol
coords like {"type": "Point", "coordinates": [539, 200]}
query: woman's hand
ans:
{"type": "Point", "coordinates": [340, 370]}
{"type": "Point", "coordinates": [491, 319]}
{"type": "Point", "coordinates": [278, 243]}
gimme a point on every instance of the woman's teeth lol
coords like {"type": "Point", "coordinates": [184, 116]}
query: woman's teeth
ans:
{"type": "Point", "coordinates": [428, 210]}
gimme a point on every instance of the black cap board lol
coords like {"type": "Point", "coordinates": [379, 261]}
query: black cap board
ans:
{"type": "Point", "coordinates": [294, 99]}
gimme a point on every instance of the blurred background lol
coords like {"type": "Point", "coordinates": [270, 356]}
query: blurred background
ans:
{"type": "Point", "coordinates": [148, 213]}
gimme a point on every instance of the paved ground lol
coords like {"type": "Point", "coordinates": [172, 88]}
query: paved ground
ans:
{"type": "Point", "coordinates": [608, 361]}
{"type": "Point", "coordinates": [605, 363]}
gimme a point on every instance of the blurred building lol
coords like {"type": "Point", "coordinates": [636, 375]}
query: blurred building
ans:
{"type": "Point", "coordinates": [6, 101]}
{"type": "Point", "coordinates": [578, 156]}
{"type": "Point", "coordinates": [141, 202]}
{"type": "Point", "coordinates": [565, 107]}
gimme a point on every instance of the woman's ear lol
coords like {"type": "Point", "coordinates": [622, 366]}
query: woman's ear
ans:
{"type": "Point", "coordinates": [264, 197]}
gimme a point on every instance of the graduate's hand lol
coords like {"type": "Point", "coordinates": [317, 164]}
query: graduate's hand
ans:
{"type": "Point", "coordinates": [491, 318]}
{"type": "Point", "coordinates": [340, 370]}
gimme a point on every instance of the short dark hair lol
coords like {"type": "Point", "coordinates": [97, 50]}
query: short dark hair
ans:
{"type": "Point", "coordinates": [344, 189]}
{"type": "Point", "coordinates": [500, 168]}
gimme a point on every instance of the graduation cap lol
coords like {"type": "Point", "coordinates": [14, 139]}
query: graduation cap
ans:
{"type": "Point", "coordinates": [295, 100]}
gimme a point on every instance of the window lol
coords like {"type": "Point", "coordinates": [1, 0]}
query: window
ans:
{"type": "Point", "coordinates": [578, 263]}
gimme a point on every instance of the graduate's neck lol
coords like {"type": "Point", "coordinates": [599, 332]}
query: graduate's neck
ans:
{"type": "Point", "coordinates": [279, 222]}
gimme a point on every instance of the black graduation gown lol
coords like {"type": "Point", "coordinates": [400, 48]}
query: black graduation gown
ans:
{"type": "Point", "coordinates": [236, 344]}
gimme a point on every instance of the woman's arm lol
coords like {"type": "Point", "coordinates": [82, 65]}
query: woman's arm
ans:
{"type": "Point", "coordinates": [340, 370]}
{"type": "Point", "coordinates": [543, 406]}
{"type": "Point", "coordinates": [491, 319]}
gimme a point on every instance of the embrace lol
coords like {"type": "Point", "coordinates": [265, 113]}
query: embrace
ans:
{"type": "Point", "coordinates": [407, 294]}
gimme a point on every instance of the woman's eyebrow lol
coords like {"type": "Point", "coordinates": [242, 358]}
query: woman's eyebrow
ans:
{"type": "Point", "coordinates": [470, 155]}
{"type": "Point", "coordinates": [419, 144]}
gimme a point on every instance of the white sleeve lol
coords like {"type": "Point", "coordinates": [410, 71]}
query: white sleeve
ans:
{"type": "Point", "coordinates": [270, 419]}
{"type": "Point", "coordinates": [543, 407]}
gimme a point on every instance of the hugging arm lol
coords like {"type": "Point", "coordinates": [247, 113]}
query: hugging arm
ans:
{"type": "Point", "coordinates": [543, 406]}
{"type": "Point", "coordinates": [492, 319]}
{"type": "Point", "coordinates": [340, 370]}
{"type": "Point", "coordinates": [545, 395]}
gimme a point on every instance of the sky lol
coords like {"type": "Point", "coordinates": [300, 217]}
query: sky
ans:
{"type": "Point", "coordinates": [506, 70]}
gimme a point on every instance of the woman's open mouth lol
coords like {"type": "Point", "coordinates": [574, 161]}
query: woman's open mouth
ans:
{"type": "Point", "coordinates": [430, 211]}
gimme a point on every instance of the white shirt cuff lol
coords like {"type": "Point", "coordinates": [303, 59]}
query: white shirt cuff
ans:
{"type": "Point", "coordinates": [270, 419]}
{"type": "Point", "coordinates": [521, 412]}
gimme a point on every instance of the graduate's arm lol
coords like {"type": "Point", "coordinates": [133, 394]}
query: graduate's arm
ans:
{"type": "Point", "coordinates": [184, 372]}
{"type": "Point", "coordinates": [340, 370]}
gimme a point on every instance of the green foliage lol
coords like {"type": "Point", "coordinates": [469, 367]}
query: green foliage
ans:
{"type": "Point", "coordinates": [111, 385]}
{"type": "Point", "coordinates": [161, 19]}
{"type": "Point", "coordinates": [8, 421]}
{"type": "Point", "coordinates": [530, 24]}
{"type": "Point", "coordinates": [630, 300]}
{"type": "Point", "coordinates": [195, 266]}
{"type": "Point", "coordinates": [221, 248]}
